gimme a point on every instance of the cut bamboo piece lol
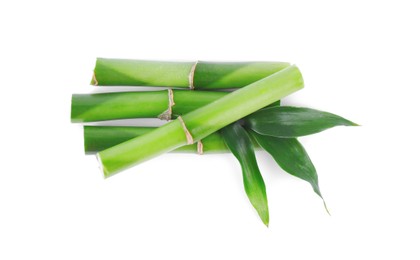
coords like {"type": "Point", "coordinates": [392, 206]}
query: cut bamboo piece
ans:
{"type": "Point", "coordinates": [163, 104]}
{"type": "Point", "coordinates": [192, 75]}
{"type": "Point", "coordinates": [99, 138]}
{"type": "Point", "coordinates": [145, 104]}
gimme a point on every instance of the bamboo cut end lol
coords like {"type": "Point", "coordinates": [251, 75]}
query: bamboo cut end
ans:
{"type": "Point", "coordinates": [104, 172]}
{"type": "Point", "coordinates": [200, 147]}
{"type": "Point", "coordinates": [94, 81]}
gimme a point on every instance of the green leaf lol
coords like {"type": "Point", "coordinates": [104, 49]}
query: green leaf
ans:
{"type": "Point", "coordinates": [275, 104]}
{"type": "Point", "coordinates": [292, 121]}
{"type": "Point", "coordinates": [240, 144]}
{"type": "Point", "coordinates": [291, 157]}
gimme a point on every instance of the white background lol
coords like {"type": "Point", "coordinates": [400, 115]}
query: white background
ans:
{"type": "Point", "coordinates": [359, 59]}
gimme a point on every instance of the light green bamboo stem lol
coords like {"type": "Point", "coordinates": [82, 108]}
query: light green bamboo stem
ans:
{"type": "Point", "coordinates": [99, 138]}
{"type": "Point", "coordinates": [198, 75]}
{"type": "Point", "coordinates": [201, 122]}
{"type": "Point", "coordinates": [163, 104]}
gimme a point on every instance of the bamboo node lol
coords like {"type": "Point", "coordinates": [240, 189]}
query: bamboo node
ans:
{"type": "Point", "coordinates": [167, 115]}
{"type": "Point", "coordinates": [191, 76]}
{"type": "Point", "coordinates": [200, 147]}
{"type": "Point", "coordinates": [188, 136]}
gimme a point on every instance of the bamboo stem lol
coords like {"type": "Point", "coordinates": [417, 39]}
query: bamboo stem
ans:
{"type": "Point", "coordinates": [202, 121]}
{"type": "Point", "coordinates": [144, 104]}
{"type": "Point", "coordinates": [109, 106]}
{"type": "Point", "coordinates": [193, 75]}
{"type": "Point", "coordinates": [99, 138]}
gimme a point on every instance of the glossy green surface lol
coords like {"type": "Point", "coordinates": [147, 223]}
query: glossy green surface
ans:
{"type": "Point", "coordinates": [110, 106]}
{"type": "Point", "coordinates": [189, 100]}
{"type": "Point", "coordinates": [98, 138]}
{"type": "Point", "coordinates": [205, 75]}
{"type": "Point", "coordinates": [122, 72]}
{"type": "Point", "coordinates": [202, 121]}
{"type": "Point", "coordinates": [240, 144]}
{"type": "Point", "coordinates": [291, 156]}
{"type": "Point", "coordinates": [293, 121]}
{"type": "Point", "coordinates": [215, 75]}
{"type": "Point", "coordinates": [142, 104]}
{"type": "Point", "coordinates": [242, 102]}
{"type": "Point", "coordinates": [139, 149]}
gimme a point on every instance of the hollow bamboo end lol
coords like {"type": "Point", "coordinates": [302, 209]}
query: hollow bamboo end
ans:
{"type": "Point", "coordinates": [200, 147]}
{"type": "Point", "coordinates": [94, 81]}
{"type": "Point", "coordinates": [103, 170]}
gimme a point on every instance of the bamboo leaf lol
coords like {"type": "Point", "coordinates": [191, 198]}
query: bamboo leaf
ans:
{"type": "Point", "coordinates": [240, 144]}
{"type": "Point", "coordinates": [293, 121]}
{"type": "Point", "coordinates": [292, 157]}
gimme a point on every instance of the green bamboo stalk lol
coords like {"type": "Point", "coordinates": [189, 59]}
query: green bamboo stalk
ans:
{"type": "Point", "coordinates": [144, 104]}
{"type": "Point", "coordinates": [199, 75]}
{"type": "Point", "coordinates": [99, 138]}
{"type": "Point", "coordinates": [201, 122]}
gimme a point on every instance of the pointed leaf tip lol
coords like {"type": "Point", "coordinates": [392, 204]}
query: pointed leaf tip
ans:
{"type": "Point", "coordinates": [326, 208]}
{"type": "Point", "coordinates": [290, 122]}
{"type": "Point", "coordinates": [292, 157]}
{"type": "Point", "coordinates": [239, 143]}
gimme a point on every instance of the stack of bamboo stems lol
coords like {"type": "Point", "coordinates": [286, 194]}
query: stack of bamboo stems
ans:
{"type": "Point", "coordinates": [210, 107]}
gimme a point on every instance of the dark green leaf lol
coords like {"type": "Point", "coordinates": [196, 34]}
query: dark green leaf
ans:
{"type": "Point", "coordinates": [291, 157]}
{"type": "Point", "coordinates": [275, 104]}
{"type": "Point", "coordinates": [240, 144]}
{"type": "Point", "coordinates": [292, 121]}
